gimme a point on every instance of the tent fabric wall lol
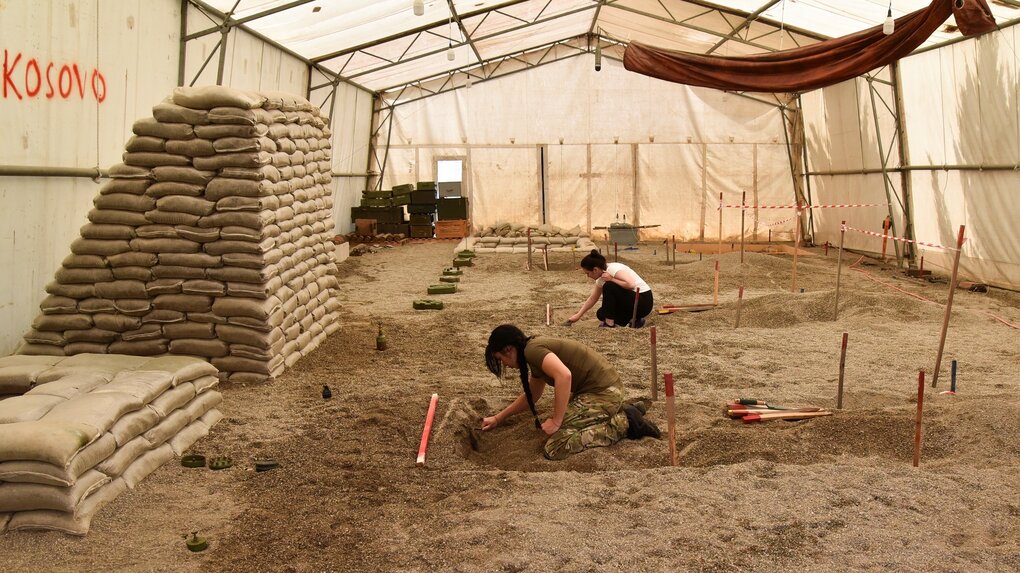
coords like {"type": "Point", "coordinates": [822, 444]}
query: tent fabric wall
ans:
{"type": "Point", "coordinates": [602, 152]}
{"type": "Point", "coordinates": [133, 44]}
{"type": "Point", "coordinates": [126, 42]}
{"type": "Point", "coordinates": [960, 110]}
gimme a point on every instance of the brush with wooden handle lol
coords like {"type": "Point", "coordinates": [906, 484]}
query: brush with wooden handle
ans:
{"type": "Point", "coordinates": [751, 418]}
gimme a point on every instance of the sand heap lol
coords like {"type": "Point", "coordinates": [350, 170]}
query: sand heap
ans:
{"type": "Point", "coordinates": [211, 240]}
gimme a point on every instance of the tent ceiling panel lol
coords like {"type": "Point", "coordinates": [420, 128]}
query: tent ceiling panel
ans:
{"type": "Point", "coordinates": [568, 26]}
{"type": "Point", "coordinates": [394, 47]}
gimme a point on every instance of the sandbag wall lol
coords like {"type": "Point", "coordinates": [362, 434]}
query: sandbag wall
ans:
{"type": "Point", "coordinates": [513, 238]}
{"type": "Point", "coordinates": [79, 431]}
{"type": "Point", "coordinates": [210, 240]}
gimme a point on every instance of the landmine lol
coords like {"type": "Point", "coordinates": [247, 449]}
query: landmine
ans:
{"type": "Point", "coordinates": [78, 431]}
{"type": "Point", "coordinates": [211, 240]}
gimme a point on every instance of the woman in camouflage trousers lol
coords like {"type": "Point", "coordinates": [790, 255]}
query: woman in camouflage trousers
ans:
{"type": "Point", "coordinates": [588, 405]}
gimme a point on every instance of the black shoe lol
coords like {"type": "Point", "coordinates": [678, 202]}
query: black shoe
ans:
{"type": "Point", "coordinates": [640, 404]}
{"type": "Point", "coordinates": [637, 425]}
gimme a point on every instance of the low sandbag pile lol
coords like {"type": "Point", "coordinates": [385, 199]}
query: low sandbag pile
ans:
{"type": "Point", "coordinates": [212, 240]}
{"type": "Point", "coordinates": [79, 431]}
{"type": "Point", "coordinates": [513, 238]}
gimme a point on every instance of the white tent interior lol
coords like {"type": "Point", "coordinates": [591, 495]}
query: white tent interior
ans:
{"type": "Point", "coordinates": [933, 141]}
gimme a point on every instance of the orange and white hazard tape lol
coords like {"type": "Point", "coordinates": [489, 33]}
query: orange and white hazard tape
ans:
{"type": "Point", "coordinates": [801, 207]}
{"type": "Point", "coordinates": [900, 239]}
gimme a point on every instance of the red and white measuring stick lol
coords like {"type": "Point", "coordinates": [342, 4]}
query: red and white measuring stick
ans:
{"type": "Point", "coordinates": [900, 239]}
{"type": "Point", "coordinates": [802, 207]}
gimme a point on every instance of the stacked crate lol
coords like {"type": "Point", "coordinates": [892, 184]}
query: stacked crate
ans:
{"type": "Point", "coordinates": [392, 220]}
{"type": "Point", "coordinates": [453, 218]}
{"type": "Point", "coordinates": [423, 210]}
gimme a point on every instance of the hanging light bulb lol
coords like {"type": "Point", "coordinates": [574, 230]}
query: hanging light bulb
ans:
{"type": "Point", "coordinates": [468, 82]}
{"type": "Point", "coordinates": [450, 54]}
{"type": "Point", "coordinates": [890, 24]}
{"type": "Point", "coordinates": [419, 7]}
{"type": "Point", "coordinates": [598, 57]}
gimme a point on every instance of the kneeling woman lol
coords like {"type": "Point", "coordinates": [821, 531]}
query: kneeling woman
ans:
{"type": "Point", "coordinates": [615, 284]}
{"type": "Point", "coordinates": [588, 406]}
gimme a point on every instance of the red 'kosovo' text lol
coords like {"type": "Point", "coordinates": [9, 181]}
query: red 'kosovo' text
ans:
{"type": "Point", "coordinates": [32, 78]}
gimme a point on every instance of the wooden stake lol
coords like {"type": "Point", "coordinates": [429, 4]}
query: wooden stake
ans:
{"type": "Point", "coordinates": [655, 367]}
{"type": "Point", "coordinates": [917, 422]}
{"type": "Point", "coordinates": [674, 252]}
{"type": "Point", "coordinates": [548, 314]}
{"type": "Point", "coordinates": [616, 252]}
{"type": "Point", "coordinates": [545, 257]}
{"type": "Point", "coordinates": [428, 429]}
{"type": "Point", "coordinates": [529, 248]}
{"type": "Point", "coordinates": [826, 248]}
{"type": "Point", "coordinates": [720, 223]}
{"type": "Point", "coordinates": [715, 292]}
{"type": "Point", "coordinates": [740, 299]}
{"type": "Point", "coordinates": [886, 225]}
{"type": "Point", "coordinates": [670, 417]}
{"type": "Point", "coordinates": [743, 196]}
{"type": "Point", "coordinates": [839, 269]}
{"type": "Point", "coordinates": [920, 270]}
{"type": "Point", "coordinates": [842, 365]}
{"type": "Point", "coordinates": [949, 307]}
{"type": "Point", "coordinates": [796, 248]}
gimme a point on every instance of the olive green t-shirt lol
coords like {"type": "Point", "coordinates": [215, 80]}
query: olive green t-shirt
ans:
{"type": "Point", "coordinates": [589, 371]}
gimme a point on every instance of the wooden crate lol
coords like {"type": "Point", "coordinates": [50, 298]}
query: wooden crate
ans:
{"type": "Point", "coordinates": [456, 229]}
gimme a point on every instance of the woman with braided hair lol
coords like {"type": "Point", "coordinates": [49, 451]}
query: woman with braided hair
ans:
{"type": "Point", "coordinates": [588, 406]}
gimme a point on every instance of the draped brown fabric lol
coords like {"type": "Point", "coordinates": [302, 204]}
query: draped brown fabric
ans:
{"type": "Point", "coordinates": [814, 66]}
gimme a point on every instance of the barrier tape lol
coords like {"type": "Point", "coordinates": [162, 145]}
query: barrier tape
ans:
{"type": "Point", "coordinates": [774, 223]}
{"type": "Point", "coordinates": [900, 239]}
{"type": "Point", "coordinates": [802, 207]}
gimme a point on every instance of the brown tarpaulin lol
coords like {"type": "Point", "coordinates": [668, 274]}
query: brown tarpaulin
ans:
{"type": "Point", "coordinates": [814, 66]}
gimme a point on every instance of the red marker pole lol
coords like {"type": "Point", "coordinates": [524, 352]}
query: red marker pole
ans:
{"type": "Point", "coordinates": [715, 292]}
{"type": "Point", "coordinates": [655, 366]}
{"type": "Point", "coordinates": [842, 365]}
{"type": "Point", "coordinates": [743, 197]}
{"type": "Point", "coordinates": [740, 300]}
{"type": "Point", "coordinates": [428, 429]}
{"type": "Point", "coordinates": [917, 422]}
{"type": "Point", "coordinates": [720, 223]}
{"type": "Point", "coordinates": [670, 416]}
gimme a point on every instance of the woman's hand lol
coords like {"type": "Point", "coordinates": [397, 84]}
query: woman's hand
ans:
{"type": "Point", "coordinates": [550, 427]}
{"type": "Point", "coordinates": [489, 422]}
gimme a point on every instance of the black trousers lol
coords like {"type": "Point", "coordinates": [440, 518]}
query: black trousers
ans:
{"type": "Point", "coordinates": [618, 304]}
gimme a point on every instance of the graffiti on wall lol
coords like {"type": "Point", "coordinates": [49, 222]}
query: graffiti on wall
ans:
{"type": "Point", "coordinates": [29, 78]}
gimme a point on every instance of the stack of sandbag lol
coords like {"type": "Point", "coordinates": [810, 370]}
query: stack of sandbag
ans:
{"type": "Point", "coordinates": [212, 240]}
{"type": "Point", "coordinates": [513, 238]}
{"type": "Point", "coordinates": [85, 428]}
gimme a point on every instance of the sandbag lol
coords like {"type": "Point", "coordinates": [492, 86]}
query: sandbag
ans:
{"type": "Point", "coordinates": [198, 260]}
{"type": "Point", "coordinates": [149, 126]}
{"type": "Point", "coordinates": [52, 441]}
{"type": "Point", "coordinates": [139, 348]}
{"type": "Point", "coordinates": [177, 272]}
{"type": "Point", "coordinates": [144, 332]}
{"type": "Point", "coordinates": [130, 186]}
{"type": "Point", "coordinates": [199, 347]}
{"type": "Point", "coordinates": [183, 369]}
{"type": "Point", "coordinates": [203, 287]}
{"type": "Point", "coordinates": [167, 428]}
{"type": "Point", "coordinates": [101, 231]}
{"type": "Point", "coordinates": [182, 204]}
{"type": "Point", "coordinates": [121, 289]}
{"type": "Point", "coordinates": [188, 436]}
{"type": "Point", "coordinates": [190, 147]}
{"type": "Point", "coordinates": [97, 305]}
{"type": "Point", "coordinates": [213, 132]}
{"type": "Point", "coordinates": [102, 248]}
{"type": "Point", "coordinates": [169, 188]}
{"type": "Point", "coordinates": [209, 97]}
{"type": "Point", "coordinates": [54, 304]}
{"type": "Point", "coordinates": [28, 471]}
{"type": "Point", "coordinates": [168, 112]}
{"type": "Point", "coordinates": [171, 217]}
{"type": "Point", "coordinates": [115, 322]}
{"type": "Point", "coordinates": [97, 409]}
{"type": "Point", "coordinates": [164, 245]}
{"type": "Point", "coordinates": [144, 159]}
{"type": "Point", "coordinates": [84, 289]}
{"type": "Point", "coordinates": [145, 143]}
{"type": "Point", "coordinates": [134, 424]}
{"type": "Point", "coordinates": [96, 335]}
{"type": "Point", "coordinates": [117, 217]}
{"type": "Point", "coordinates": [76, 523]}
{"type": "Point", "coordinates": [197, 234]}
{"type": "Point", "coordinates": [221, 160]}
{"type": "Point", "coordinates": [62, 322]}
{"type": "Point", "coordinates": [183, 302]}
{"type": "Point", "coordinates": [146, 385]}
{"type": "Point", "coordinates": [185, 330]}
{"type": "Point", "coordinates": [145, 465]}
{"type": "Point", "coordinates": [27, 407]}
{"type": "Point", "coordinates": [143, 274]}
{"type": "Point", "coordinates": [70, 385]}
{"type": "Point", "coordinates": [30, 496]}
{"type": "Point", "coordinates": [115, 465]}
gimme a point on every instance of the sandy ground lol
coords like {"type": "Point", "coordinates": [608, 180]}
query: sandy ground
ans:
{"type": "Point", "coordinates": [837, 493]}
